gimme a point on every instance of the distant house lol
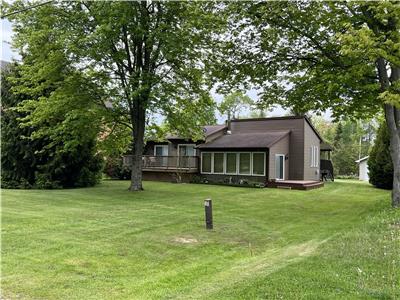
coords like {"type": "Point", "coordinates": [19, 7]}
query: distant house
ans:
{"type": "Point", "coordinates": [363, 168]}
{"type": "Point", "coordinates": [279, 151]}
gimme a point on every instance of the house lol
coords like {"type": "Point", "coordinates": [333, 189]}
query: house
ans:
{"type": "Point", "coordinates": [363, 168]}
{"type": "Point", "coordinates": [276, 152]}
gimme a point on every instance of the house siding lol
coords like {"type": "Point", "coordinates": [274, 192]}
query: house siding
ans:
{"type": "Point", "coordinates": [310, 139]}
{"type": "Point", "coordinates": [296, 139]}
{"type": "Point", "coordinates": [281, 147]}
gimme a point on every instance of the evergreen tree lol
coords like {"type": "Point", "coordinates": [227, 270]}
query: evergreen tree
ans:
{"type": "Point", "coordinates": [67, 159]}
{"type": "Point", "coordinates": [379, 162]}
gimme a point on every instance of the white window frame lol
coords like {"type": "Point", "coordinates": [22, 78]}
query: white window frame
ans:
{"type": "Point", "coordinates": [236, 159]}
{"type": "Point", "coordinates": [314, 157]}
{"type": "Point", "coordinates": [194, 148]}
{"type": "Point", "coordinates": [163, 146]}
{"type": "Point", "coordinates": [223, 163]}
{"type": "Point", "coordinates": [238, 164]}
{"type": "Point", "coordinates": [283, 168]}
{"type": "Point", "coordinates": [212, 163]}
{"type": "Point", "coordinates": [252, 166]}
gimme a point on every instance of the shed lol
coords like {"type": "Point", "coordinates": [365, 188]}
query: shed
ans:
{"type": "Point", "coordinates": [363, 168]}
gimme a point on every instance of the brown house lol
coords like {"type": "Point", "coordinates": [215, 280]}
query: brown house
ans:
{"type": "Point", "coordinates": [281, 151]}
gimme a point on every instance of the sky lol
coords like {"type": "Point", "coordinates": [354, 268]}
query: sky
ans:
{"type": "Point", "coordinates": [7, 54]}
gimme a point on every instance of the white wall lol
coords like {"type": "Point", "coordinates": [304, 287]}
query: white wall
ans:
{"type": "Point", "coordinates": [363, 170]}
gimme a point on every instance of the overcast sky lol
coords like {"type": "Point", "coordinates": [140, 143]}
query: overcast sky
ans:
{"type": "Point", "coordinates": [7, 54]}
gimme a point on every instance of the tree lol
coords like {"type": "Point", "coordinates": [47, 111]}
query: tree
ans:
{"type": "Point", "coordinates": [233, 103]}
{"type": "Point", "coordinates": [379, 162]}
{"type": "Point", "coordinates": [33, 155]}
{"type": "Point", "coordinates": [143, 56]}
{"type": "Point", "coordinates": [342, 56]}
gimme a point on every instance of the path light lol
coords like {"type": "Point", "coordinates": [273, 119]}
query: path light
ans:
{"type": "Point", "coordinates": [208, 211]}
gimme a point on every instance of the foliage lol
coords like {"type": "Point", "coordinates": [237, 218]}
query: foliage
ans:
{"type": "Point", "coordinates": [233, 103]}
{"type": "Point", "coordinates": [115, 170]}
{"type": "Point", "coordinates": [138, 57]}
{"type": "Point", "coordinates": [58, 151]}
{"type": "Point", "coordinates": [87, 242]}
{"type": "Point", "coordinates": [319, 55]}
{"type": "Point", "coordinates": [350, 140]}
{"type": "Point", "coordinates": [303, 55]}
{"type": "Point", "coordinates": [380, 164]}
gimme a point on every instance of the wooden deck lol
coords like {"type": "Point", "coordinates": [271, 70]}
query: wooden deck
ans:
{"type": "Point", "coordinates": [295, 184]}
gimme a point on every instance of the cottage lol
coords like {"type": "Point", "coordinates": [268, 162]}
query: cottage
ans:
{"type": "Point", "coordinates": [277, 152]}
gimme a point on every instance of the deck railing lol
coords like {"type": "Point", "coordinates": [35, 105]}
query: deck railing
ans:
{"type": "Point", "coordinates": [166, 162]}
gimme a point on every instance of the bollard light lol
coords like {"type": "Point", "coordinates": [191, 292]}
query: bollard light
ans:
{"type": "Point", "coordinates": [208, 211]}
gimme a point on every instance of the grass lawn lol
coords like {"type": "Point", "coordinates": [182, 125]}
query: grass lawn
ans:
{"type": "Point", "coordinates": [340, 241]}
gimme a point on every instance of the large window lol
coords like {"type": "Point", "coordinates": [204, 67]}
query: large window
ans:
{"type": "Point", "coordinates": [231, 163]}
{"type": "Point", "coordinates": [244, 163]}
{"type": "Point", "coordinates": [206, 159]}
{"type": "Point", "coordinates": [259, 163]}
{"type": "Point", "coordinates": [314, 152]}
{"type": "Point", "coordinates": [219, 163]}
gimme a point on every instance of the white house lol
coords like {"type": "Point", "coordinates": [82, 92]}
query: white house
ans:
{"type": "Point", "coordinates": [363, 168]}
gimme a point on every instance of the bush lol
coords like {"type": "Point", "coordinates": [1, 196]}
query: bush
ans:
{"type": "Point", "coordinates": [115, 169]}
{"type": "Point", "coordinates": [379, 162]}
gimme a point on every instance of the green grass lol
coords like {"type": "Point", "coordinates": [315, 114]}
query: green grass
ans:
{"type": "Point", "coordinates": [340, 241]}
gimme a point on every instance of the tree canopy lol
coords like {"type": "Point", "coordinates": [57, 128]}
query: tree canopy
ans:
{"type": "Point", "coordinates": [343, 56]}
{"type": "Point", "coordinates": [138, 58]}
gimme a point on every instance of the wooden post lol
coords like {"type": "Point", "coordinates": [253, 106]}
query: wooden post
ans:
{"type": "Point", "coordinates": [208, 211]}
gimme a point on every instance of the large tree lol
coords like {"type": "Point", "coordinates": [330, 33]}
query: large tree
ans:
{"type": "Point", "coordinates": [233, 104]}
{"type": "Point", "coordinates": [144, 56]}
{"type": "Point", "coordinates": [310, 55]}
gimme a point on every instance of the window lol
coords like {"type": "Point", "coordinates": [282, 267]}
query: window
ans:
{"type": "Point", "coordinates": [280, 166]}
{"type": "Point", "coordinates": [219, 163]}
{"type": "Point", "coordinates": [161, 150]}
{"type": "Point", "coordinates": [231, 163]}
{"type": "Point", "coordinates": [258, 163]}
{"type": "Point", "coordinates": [206, 159]}
{"type": "Point", "coordinates": [244, 163]}
{"type": "Point", "coordinates": [314, 163]}
{"type": "Point", "coordinates": [186, 150]}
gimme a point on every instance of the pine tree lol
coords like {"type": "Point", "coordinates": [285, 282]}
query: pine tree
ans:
{"type": "Point", "coordinates": [380, 163]}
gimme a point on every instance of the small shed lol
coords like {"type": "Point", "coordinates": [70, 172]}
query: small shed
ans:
{"type": "Point", "coordinates": [363, 168]}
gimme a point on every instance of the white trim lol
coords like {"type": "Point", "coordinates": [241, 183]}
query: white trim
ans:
{"type": "Point", "coordinates": [238, 168]}
{"type": "Point", "coordinates": [314, 163]}
{"type": "Point", "coordinates": [237, 157]}
{"type": "Point", "coordinates": [283, 167]}
{"type": "Point", "coordinates": [162, 146]}
{"type": "Point", "coordinates": [252, 165]}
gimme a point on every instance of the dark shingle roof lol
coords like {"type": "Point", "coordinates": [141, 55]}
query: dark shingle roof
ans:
{"type": "Point", "coordinates": [246, 140]}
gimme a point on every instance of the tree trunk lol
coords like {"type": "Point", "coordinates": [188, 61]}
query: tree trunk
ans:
{"type": "Point", "coordinates": [392, 115]}
{"type": "Point", "coordinates": [138, 123]}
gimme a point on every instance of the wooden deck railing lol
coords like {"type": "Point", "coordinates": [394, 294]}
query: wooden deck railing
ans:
{"type": "Point", "coordinates": [166, 162]}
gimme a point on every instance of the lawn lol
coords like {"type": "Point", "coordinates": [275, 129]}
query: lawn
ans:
{"type": "Point", "coordinates": [340, 241]}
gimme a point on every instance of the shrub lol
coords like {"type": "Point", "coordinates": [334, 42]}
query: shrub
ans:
{"type": "Point", "coordinates": [379, 162]}
{"type": "Point", "coordinates": [115, 169]}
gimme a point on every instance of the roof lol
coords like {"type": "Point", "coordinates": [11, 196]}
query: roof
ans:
{"type": "Point", "coordinates": [325, 147]}
{"type": "Point", "coordinates": [245, 140]}
{"type": "Point", "coordinates": [361, 159]}
{"type": "Point", "coordinates": [210, 129]}
{"type": "Point", "coordinates": [207, 129]}
{"type": "Point", "coordinates": [282, 118]}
